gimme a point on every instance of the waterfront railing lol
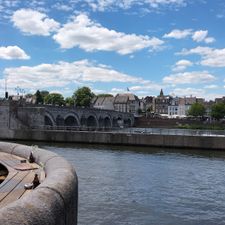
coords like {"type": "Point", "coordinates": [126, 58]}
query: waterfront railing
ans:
{"type": "Point", "coordinates": [182, 132]}
{"type": "Point", "coordinates": [133, 130]}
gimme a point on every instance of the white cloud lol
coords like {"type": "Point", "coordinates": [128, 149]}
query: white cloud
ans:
{"type": "Point", "coordinates": [189, 91]}
{"type": "Point", "coordinates": [210, 56]}
{"type": "Point", "coordinates": [182, 65]}
{"type": "Point", "coordinates": [209, 40]}
{"type": "Point", "coordinates": [220, 16]}
{"type": "Point", "coordinates": [91, 36]}
{"type": "Point", "coordinates": [104, 5]}
{"type": "Point", "coordinates": [32, 22]}
{"type": "Point", "coordinates": [64, 73]}
{"type": "Point", "coordinates": [198, 92]}
{"type": "Point", "coordinates": [146, 87]}
{"type": "Point", "coordinates": [117, 90]}
{"type": "Point", "coordinates": [197, 36]}
{"type": "Point", "coordinates": [12, 52]}
{"type": "Point", "coordinates": [211, 86]}
{"type": "Point", "coordinates": [194, 77]}
{"type": "Point", "coordinates": [62, 7]}
{"type": "Point", "coordinates": [178, 34]}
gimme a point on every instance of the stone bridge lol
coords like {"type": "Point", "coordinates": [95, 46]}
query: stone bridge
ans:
{"type": "Point", "coordinates": [17, 115]}
{"type": "Point", "coordinates": [86, 117]}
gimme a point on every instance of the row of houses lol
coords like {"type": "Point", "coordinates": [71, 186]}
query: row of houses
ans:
{"type": "Point", "coordinates": [164, 105]}
{"type": "Point", "coordinates": [126, 102]}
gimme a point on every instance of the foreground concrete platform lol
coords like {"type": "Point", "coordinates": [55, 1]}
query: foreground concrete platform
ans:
{"type": "Point", "coordinates": [20, 173]}
{"type": "Point", "coordinates": [53, 202]}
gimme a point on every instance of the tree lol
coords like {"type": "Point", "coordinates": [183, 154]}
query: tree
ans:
{"type": "Point", "coordinates": [218, 111]}
{"type": "Point", "coordinates": [149, 109]}
{"type": "Point", "coordinates": [39, 98]}
{"type": "Point", "coordinates": [83, 96]}
{"type": "Point", "coordinates": [54, 99]}
{"type": "Point", "coordinates": [139, 111]}
{"type": "Point", "coordinates": [104, 95]}
{"type": "Point", "coordinates": [29, 95]}
{"type": "Point", "coordinates": [44, 94]}
{"type": "Point", "coordinates": [69, 101]}
{"type": "Point", "coordinates": [196, 110]}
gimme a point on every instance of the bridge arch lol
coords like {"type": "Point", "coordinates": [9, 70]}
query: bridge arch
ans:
{"type": "Point", "coordinates": [118, 121]}
{"type": "Point", "coordinates": [92, 121]}
{"type": "Point", "coordinates": [49, 119]}
{"type": "Point", "coordinates": [128, 122]}
{"type": "Point", "coordinates": [107, 122]}
{"type": "Point", "coordinates": [71, 119]}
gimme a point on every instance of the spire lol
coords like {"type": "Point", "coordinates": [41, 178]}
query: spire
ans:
{"type": "Point", "coordinates": [161, 93]}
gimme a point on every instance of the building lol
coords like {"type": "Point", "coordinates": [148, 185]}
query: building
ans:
{"type": "Point", "coordinates": [106, 103]}
{"type": "Point", "coordinates": [220, 100]}
{"type": "Point", "coordinates": [173, 108]}
{"type": "Point", "coordinates": [149, 103]}
{"type": "Point", "coordinates": [161, 103]}
{"type": "Point", "coordinates": [127, 102]}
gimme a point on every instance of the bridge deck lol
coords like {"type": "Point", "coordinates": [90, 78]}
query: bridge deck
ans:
{"type": "Point", "coordinates": [19, 174]}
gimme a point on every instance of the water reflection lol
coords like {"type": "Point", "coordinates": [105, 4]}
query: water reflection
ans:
{"type": "Point", "coordinates": [135, 185]}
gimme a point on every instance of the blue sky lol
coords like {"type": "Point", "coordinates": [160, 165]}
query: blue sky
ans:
{"type": "Point", "coordinates": [58, 45]}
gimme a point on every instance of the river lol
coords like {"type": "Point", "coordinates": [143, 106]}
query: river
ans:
{"type": "Point", "coordinates": [142, 186]}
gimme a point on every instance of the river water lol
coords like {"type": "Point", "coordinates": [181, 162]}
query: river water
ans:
{"type": "Point", "coordinates": [143, 186]}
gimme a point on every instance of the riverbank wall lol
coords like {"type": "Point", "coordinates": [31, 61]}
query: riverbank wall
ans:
{"type": "Point", "coordinates": [117, 138]}
{"type": "Point", "coordinates": [54, 201]}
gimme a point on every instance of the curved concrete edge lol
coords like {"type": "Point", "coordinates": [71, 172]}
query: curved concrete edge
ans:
{"type": "Point", "coordinates": [54, 201]}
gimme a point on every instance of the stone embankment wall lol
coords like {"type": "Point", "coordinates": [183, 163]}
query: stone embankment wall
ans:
{"type": "Point", "coordinates": [135, 139]}
{"type": "Point", "coordinates": [54, 201]}
{"type": "Point", "coordinates": [148, 122]}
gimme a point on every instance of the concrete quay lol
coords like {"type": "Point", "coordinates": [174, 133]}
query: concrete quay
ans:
{"type": "Point", "coordinates": [54, 201]}
{"type": "Point", "coordinates": [118, 138]}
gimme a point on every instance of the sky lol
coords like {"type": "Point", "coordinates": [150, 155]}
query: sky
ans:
{"type": "Point", "coordinates": [113, 46]}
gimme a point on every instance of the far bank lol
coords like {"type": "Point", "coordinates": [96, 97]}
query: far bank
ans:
{"type": "Point", "coordinates": [170, 140]}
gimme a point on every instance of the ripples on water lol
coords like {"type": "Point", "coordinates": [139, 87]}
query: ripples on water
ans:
{"type": "Point", "coordinates": [120, 186]}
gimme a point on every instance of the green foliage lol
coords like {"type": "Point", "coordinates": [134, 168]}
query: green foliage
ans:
{"type": "Point", "coordinates": [83, 96]}
{"type": "Point", "coordinates": [54, 99]}
{"type": "Point", "coordinates": [139, 111]}
{"type": "Point", "coordinates": [197, 110]}
{"type": "Point", "coordinates": [218, 111]}
{"type": "Point", "coordinates": [44, 94]}
{"type": "Point", "coordinates": [149, 109]}
{"type": "Point", "coordinates": [202, 126]}
{"type": "Point", "coordinates": [104, 95]}
{"type": "Point", "coordinates": [29, 95]}
{"type": "Point", "coordinates": [39, 98]}
{"type": "Point", "coordinates": [69, 101]}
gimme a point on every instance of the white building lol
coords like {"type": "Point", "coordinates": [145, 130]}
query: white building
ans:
{"type": "Point", "coordinates": [178, 108]}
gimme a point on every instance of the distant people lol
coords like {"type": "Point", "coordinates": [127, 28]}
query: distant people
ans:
{"type": "Point", "coordinates": [31, 158]}
{"type": "Point", "coordinates": [36, 181]}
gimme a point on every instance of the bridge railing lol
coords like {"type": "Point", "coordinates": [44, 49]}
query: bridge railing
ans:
{"type": "Point", "coordinates": [182, 132]}
{"type": "Point", "coordinates": [74, 128]}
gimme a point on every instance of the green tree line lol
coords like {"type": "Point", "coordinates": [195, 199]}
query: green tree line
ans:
{"type": "Point", "coordinates": [81, 97]}
{"type": "Point", "coordinates": [199, 110]}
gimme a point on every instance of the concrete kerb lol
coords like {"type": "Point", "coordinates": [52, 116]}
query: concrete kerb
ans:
{"type": "Point", "coordinates": [54, 201]}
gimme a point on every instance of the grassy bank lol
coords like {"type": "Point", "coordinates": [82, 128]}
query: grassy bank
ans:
{"type": "Point", "coordinates": [202, 126]}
